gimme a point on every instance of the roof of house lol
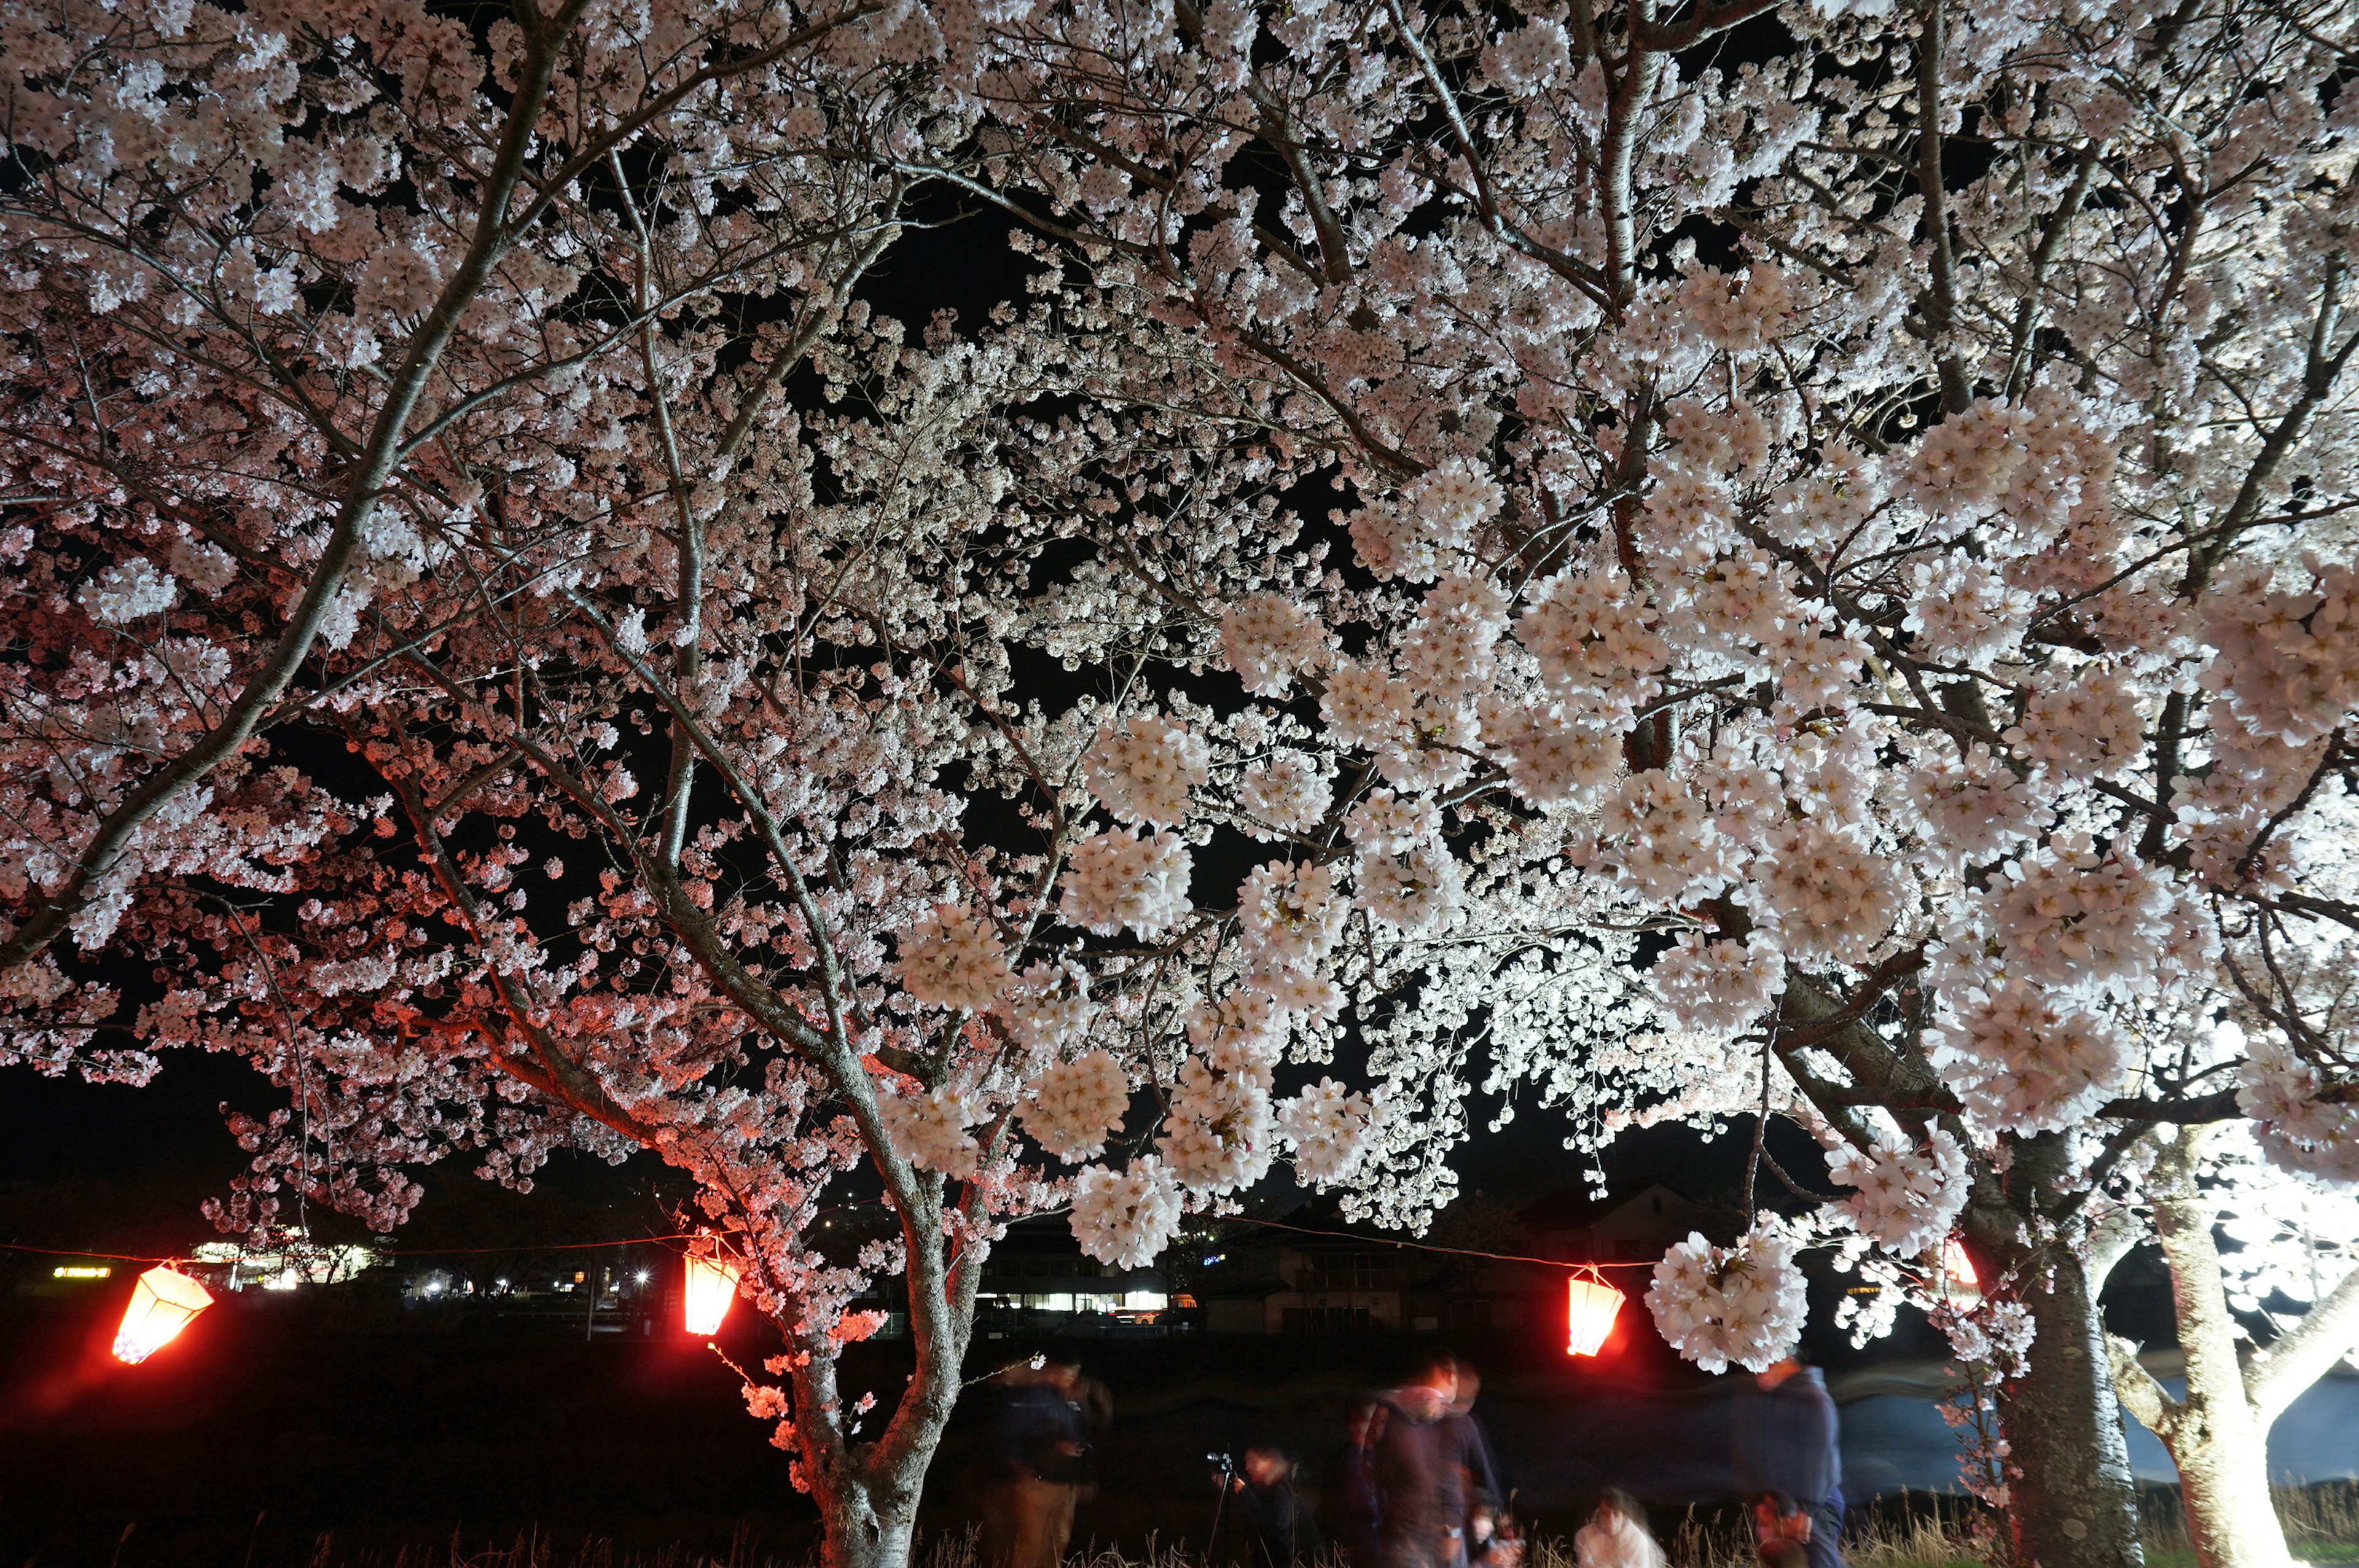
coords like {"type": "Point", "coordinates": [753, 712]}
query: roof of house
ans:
{"type": "Point", "coordinates": [1571, 1209]}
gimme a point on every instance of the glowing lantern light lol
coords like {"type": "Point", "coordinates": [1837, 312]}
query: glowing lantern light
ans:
{"type": "Point", "coordinates": [1959, 1266]}
{"type": "Point", "coordinates": [162, 1303]}
{"type": "Point", "coordinates": [1591, 1307]}
{"type": "Point", "coordinates": [711, 1288]}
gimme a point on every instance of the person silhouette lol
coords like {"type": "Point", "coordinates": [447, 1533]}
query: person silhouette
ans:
{"type": "Point", "coordinates": [1788, 1440]}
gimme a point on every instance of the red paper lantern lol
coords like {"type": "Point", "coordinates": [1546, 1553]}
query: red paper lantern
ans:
{"type": "Point", "coordinates": [162, 1304]}
{"type": "Point", "coordinates": [1591, 1308]}
{"type": "Point", "coordinates": [711, 1288]}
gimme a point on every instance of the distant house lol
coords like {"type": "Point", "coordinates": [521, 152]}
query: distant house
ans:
{"type": "Point", "coordinates": [1635, 1230]}
{"type": "Point", "coordinates": [1037, 1280]}
{"type": "Point", "coordinates": [1355, 1284]}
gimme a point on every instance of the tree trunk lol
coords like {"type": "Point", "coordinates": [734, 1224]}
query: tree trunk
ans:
{"type": "Point", "coordinates": [867, 1491]}
{"type": "Point", "coordinates": [863, 1530]}
{"type": "Point", "coordinates": [867, 1496]}
{"type": "Point", "coordinates": [2217, 1440]}
{"type": "Point", "coordinates": [2071, 1500]}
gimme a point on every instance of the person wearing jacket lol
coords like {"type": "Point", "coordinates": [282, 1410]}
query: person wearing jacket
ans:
{"type": "Point", "coordinates": [1786, 1439]}
{"type": "Point", "coordinates": [1406, 1465]}
{"type": "Point", "coordinates": [1351, 1510]}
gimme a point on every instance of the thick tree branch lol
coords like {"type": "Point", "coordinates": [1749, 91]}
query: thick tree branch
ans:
{"type": "Point", "coordinates": [2329, 1330]}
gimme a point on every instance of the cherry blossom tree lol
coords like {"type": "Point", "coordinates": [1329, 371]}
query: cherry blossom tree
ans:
{"type": "Point", "coordinates": [1694, 566]}
{"type": "Point", "coordinates": [344, 349]}
{"type": "Point", "coordinates": [1859, 495]}
{"type": "Point", "coordinates": [277, 277]}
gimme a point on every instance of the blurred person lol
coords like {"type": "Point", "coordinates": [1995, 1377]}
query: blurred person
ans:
{"type": "Point", "coordinates": [1351, 1508]}
{"type": "Point", "coordinates": [1469, 1480]}
{"type": "Point", "coordinates": [1283, 1533]}
{"type": "Point", "coordinates": [1616, 1535]}
{"type": "Point", "coordinates": [1039, 1434]}
{"type": "Point", "coordinates": [1415, 1528]}
{"type": "Point", "coordinates": [1778, 1518]}
{"type": "Point", "coordinates": [1491, 1541]}
{"type": "Point", "coordinates": [1788, 1440]}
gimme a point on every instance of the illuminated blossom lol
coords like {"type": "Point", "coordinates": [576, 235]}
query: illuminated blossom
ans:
{"type": "Point", "coordinates": [953, 959]}
{"type": "Point", "coordinates": [1143, 770]}
{"type": "Point", "coordinates": [1744, 1303]}
{"type": "Point", "coordinates": [1126, 1218]}
{"type": "Point", "coordinates": [1073, 1106]}
{"type": "Point", "coordinates": [1123, 877]}
{"type": "Point", "coordinates": [1905, 1199]}
{"type": "Point", "coordinates": [1328, 1127]}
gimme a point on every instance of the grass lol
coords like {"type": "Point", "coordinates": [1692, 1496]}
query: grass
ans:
{"type": "Point", "coordinates": [2321, 1525]}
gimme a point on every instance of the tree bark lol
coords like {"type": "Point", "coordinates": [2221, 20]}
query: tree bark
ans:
{"type": "Point", "coordinates": [2072, 1501]}
{"type": "Point", "coordinates": [2218, 1440]}
{"type": "Point", "coordinates": [867, 1493]}
{"type": "Point", "coordinates": [865, 1526]}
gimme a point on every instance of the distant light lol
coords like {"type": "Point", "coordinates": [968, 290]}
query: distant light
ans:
{"type": "Point", "coordinates": [1214, 1258]}
{"type": "Point", "coordinates": [79, 1271]}
{"type": "Point", "coordinates": [433, 1287]}
{"type": "Point", "coordinates": [501, 1284]}
{"type": "Point", "coordinates": [162, 1304]}
{"type": "Point", "coordinates": [640, 1278]}
{"type": "Point", "coordinates": [1590, 1307]}
{"type": "Point", "coordinates": [712, 1291]}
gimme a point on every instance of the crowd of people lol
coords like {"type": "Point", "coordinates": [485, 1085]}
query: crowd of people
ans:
{"type": "Point", "coordinates": [1416, 1484]}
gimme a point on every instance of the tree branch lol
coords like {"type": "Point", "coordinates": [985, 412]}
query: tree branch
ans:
{"type": "Point", "coordinates": [2327, 1333]}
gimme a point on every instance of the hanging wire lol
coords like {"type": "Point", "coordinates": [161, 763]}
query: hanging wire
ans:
{"type": "Point", "coordinates": [1569, 1265]}
{"type": "Point", "coordinates": [419, 1252]}
{"type": "Point", "coordinates": [1428, 1247]}
{"type": "Point", "coordinates": [86, 1252]}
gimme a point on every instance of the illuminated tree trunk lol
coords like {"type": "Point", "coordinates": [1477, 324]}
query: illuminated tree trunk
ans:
{"type": "Point", "coordinates": [2071, 1502]}
{"type": "Point", "coordinates": [872, 1524]}
{"type": "Point", "coordinates": [867, 1492]}
{"type": "Point", "coordinates": [2216, 1437]}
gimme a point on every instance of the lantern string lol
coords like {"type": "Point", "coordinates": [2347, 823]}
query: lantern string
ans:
{"type": "Point", "coordinates": [418, 1252]}
{"type": "Point", "coordinates": [1575, 1266]}
{"type": "Point", "coordinates": [1570, 1266]}
{"type": "Point", "coordinates": [549, 1247]}
{"type": "Point", "coordinates": [86, 1252]}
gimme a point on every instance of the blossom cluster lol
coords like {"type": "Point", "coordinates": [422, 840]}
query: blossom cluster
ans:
{"type": "Point", "coordinates": [1220, 1133]}
{"type": "Point", "coordinates": [1745, 1304]}
{"type": "Point", "coordinates": [1907, 1199]}
{"type": "Point", "coordinates": [1142, 770]}
{"type": "Point", "coordinates": [2297, 1126]}
{"type": "Point", "coordinates": [1718, 987]}
{"type": "Point", "coordinates": [930, 1129]}
{"type": "Point", "coordinates": [1328, 1127]}
{"type": "Point", "coordinates": [1048, 1008]}
{"type": "Point", "coordinates": [1123, 877]}
{"type": "Point", "coordinates": [1126, 1218]}
{"type": "Point", "coordinates": [954, 958]}
{"type": "Point", "coordinates": [1270, 641]}
{"type": "Point", "coordinates": [1074, 1106]}
{"type": "Point", "coordinates": [2024, 1061]}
